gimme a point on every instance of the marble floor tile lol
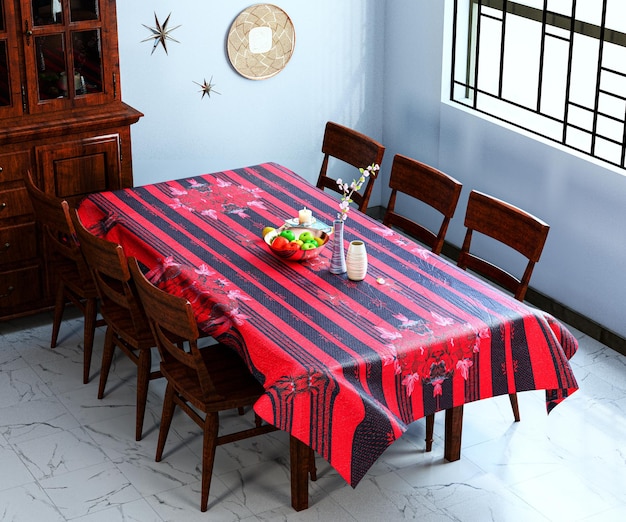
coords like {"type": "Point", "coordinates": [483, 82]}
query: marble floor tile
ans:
{"type": "Point", "coordinates": [27, 503]}
{"type": "Point", "coordinates": [20, 386]}
{"type": "Point", "coordinates": [10, 359]}
{"type": "Point", "coordinates": [14, 471]}
{"type": "Point", "coordinates": [135, 459]}
{"type": "Point", "coordinates": [65, 455]}
{"type": "Point", "coordinates": [35, 419]}
{"type": "Point", "coordinates": [88, 490]}
{"type": "Point", "coordinates": [570, 497]}
{"type": "Point", "coordinates": [60, 453]}
{"type": "Point", "coordinates": [136, 511]}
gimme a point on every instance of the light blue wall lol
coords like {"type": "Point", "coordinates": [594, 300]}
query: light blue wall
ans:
{"type": "Point", "coordinates": [376, 66]}
{"type": "Point", "coordinates": [331, 76]}
{"type": "Point", "coordinates": [584, 261]}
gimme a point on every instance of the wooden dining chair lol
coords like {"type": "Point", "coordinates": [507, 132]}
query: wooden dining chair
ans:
{"type": "Point", "coordinates": [353, 148]}
{"type": "Point", "coordinates": [512, 227]}
{"type": "Point", "coordinates": [127, 324]}
{"type": "Point", "coordinates": [67, 270]}
{"type": "Point", "coordinates": [202, 381]}
{"type": "Point", "coordinates": [428, 185]}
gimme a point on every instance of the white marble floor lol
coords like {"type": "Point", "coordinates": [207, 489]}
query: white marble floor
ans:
{"type": "Point", "coordinates": [65, 455]}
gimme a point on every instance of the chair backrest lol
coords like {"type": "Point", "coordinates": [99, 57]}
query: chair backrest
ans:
{"type": "Point", "coordinates": [509, 225]}
{"type": "Point", "coordinates": [53, 216]}
{"type": "Point", "coordinates": [354, 148]}
{"type": "Point", "coordinates": [429, 185]}
{"type": "Point", "coordinates": [173, 323]}
{"type": "Point", "coordinates": [109, 268]}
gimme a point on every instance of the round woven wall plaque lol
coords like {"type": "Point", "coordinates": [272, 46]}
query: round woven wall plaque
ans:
{"type": "Point", "coordinates": [261, 41]}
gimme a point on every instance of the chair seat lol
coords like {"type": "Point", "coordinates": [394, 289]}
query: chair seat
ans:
{"type": "Point", "coordinates": [234, 385]}
{"type": "Point", "coordinates": [137, 336]}
{"type": "Point", "coordinates": [66, 271]}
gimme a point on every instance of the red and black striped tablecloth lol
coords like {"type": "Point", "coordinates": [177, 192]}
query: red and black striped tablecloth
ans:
{"type": "Point", "coordinates": [346, 365]}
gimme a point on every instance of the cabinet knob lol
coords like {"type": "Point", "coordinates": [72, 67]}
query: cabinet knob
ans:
{"type": "Point", "coordinates": [1, 169]}
{"type": "Point", "coordinates": [6, 247]}
{"type": "Point", "coordinates": [9, 292]}
{"type": "Point", "coordinates": [3, 206]}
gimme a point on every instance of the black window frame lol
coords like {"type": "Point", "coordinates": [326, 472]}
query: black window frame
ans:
{"type": "Point", "coordinates": [553, 25]}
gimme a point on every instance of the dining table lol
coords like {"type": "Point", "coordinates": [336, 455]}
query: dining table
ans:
{"type": "Point", "coordinates": [346, 365]}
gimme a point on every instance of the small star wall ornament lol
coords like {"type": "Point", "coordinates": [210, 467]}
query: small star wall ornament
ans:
{"type": "Point", "coordinates": [207, 87]}
{"type": "Point", "coordinates": [160, 33]}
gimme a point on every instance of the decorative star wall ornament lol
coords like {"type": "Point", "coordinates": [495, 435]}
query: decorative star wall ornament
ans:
{"type": "Point", "coordinates": [207, 87]}
{"type": "Point", "coordinates": [160, 33]}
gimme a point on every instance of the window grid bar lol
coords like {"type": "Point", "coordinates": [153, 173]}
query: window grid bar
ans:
{"type": "Point", "coordinates": [477, 58]}
{"type": "Point", "coordinates": [613, 95]}
{"type": "Point", "coordinates": [542, 54]}
{"type": "Point", "coordinates": [454, 37]}
{"type": "Point", "coordinates": [568, 87]}
{"type": "Point", "coordinates": [502, 41]}
{"type": "Point", "coordinates": [623, 160]}
{"type": "Point", "coordinates": [598, 79]}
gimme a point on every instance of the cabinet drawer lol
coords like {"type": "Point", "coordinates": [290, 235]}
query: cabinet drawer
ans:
{"type": "Point", "coordinates": [18, 243]}
{"type": "Point", "coordinates": [15, 202]}
{"type": "Point", "coordinates": [13, 166]}
{"type": "Point", "coordinates": [19, 288]}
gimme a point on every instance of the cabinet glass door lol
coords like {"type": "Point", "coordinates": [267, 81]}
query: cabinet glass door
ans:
{"type": "Point", "coordinates": [66, 53]}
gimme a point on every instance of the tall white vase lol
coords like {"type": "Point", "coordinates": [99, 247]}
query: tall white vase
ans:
{"type": "Point", "coordinates": [356, 261]}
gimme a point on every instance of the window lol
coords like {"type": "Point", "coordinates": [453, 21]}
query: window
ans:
{"type": "Point", "coordinates": [556, 68]}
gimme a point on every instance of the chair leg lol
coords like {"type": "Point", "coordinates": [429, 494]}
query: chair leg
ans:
{"type": "Point", "coordinates": [107, 359]}
{"type": "Point", "coordinates": [91, 311]}
{"type": "Point", "coordinates": [143, 378]}
{"type": "Point", "coordinates": [166, 420]}
{"type": "Point", "coordinates": [430, 430]}
{"type": "Point", "coordinates": [514, 406]}
{"type": "Point", "coordinates": [312, 467]}
{"type": "Point", "coordinates": [59, 307]}
{"type": "Point", "coordinates": [211, 424]}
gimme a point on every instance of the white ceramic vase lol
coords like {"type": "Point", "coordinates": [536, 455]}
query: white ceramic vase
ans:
{"type": "Point", "coordinates": [356, 261]}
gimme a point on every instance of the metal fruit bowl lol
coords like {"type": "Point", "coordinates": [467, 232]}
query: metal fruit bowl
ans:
{"type": "Point", "coordinates": [292, 254]}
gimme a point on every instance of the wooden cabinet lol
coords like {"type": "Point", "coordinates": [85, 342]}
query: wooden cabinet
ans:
{"type": "Point", "coordinates": [62, 119]}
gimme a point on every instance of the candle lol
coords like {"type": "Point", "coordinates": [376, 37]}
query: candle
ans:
{"type": "Point", "coordinates": [305, 216]}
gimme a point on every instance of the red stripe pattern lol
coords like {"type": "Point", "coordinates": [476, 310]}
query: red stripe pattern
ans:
{"type": "Point", "coordinates": [346, 365]}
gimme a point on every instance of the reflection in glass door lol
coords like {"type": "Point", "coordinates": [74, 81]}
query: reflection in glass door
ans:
{"type": "Point", "coordinates": [87, 51]}
{"type": "Point", "coordinates": [52, 73]}
{"type": "Point", "coordinates": [5, 92]}
{"type": "Point", "coordinates": [84, 10]}
{"type": "Point", "coordinates": [47, 12]}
